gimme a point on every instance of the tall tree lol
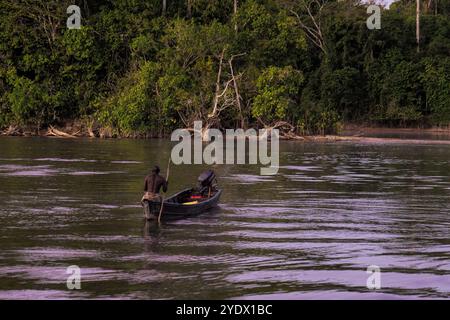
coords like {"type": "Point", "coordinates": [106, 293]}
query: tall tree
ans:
{"type": "Point", "coordinates": [309, 16]}
{"type": "Point", "coordinates": [418, 24]}
{"type": "Point", "coordinates": [189, 8]}
{"type": "Point", "coordinates": [235, 8]}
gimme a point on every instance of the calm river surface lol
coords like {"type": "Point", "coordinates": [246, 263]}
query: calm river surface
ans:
{"type": "Point", "coordinates": [309, 232]}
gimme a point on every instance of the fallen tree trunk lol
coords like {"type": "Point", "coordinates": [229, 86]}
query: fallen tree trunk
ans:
{"type": "Point", "coordinates": [290, 136]}
{"type": "Point", "coordinates": [12, 131]}
{"type": "Point", "coordinates": [57, 133]}
{"type": "Point", "coordinates": [287, 130]}
{"type": "Point", "coordinates": [91, 132]}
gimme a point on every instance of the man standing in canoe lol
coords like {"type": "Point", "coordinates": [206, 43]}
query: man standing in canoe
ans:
{"type": "Point", "coordinates": [153, 183]}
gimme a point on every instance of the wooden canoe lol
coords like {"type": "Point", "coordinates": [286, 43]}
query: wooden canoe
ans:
{"type": "Point", "coordinates": [181, 205]}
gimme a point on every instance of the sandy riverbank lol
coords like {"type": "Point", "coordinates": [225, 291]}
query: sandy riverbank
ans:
{"type": "Point", "coordinates": [374, 140]}
{"type": "Point", "coordinates": [351, 133]}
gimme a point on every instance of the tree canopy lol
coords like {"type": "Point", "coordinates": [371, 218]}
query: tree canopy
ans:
{"type": "Point", "coordinates": [140, 67]}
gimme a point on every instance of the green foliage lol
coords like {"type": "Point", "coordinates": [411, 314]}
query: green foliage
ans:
{"type": "Point", "coordinates": [31, 102]}
{"type": "Point", "coordinates": [400, 92]}
{"type": "Point", "coordinates": [132, 109]}
{"type": "Point", "coordinates": [276, 89]}
{"type": "Point", "coordinates": [269, 35]}
{"type": "Point", "coordinates": [341, 91]}
{"type": "Point", "coordinates": [436, 81]}
{"type": "Point", "coordinates": [139, 70]}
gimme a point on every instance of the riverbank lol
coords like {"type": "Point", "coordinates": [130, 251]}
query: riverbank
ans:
{"type": "Point", "coordinates": [375, 140]}
{"type": "Point", "coordinates": [360, 130]}
{"type": "Point", "coordinates": [349, 133]}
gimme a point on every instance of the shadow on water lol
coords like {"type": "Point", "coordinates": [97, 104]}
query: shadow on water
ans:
{"type": "Point", "coordinates": [152, 230]}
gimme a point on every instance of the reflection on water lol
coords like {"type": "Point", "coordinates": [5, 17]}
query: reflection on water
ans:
{"type": "Point", "coordinates": [309, 232]}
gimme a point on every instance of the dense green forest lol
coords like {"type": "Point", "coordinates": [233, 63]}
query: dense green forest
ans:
{"type": "Point", "coordinates": [146, 67]}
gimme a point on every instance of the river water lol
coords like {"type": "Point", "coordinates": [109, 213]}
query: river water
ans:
{"type": "Point", "coordinates": [310, 232]}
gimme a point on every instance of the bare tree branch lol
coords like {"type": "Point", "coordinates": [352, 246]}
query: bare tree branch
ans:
{"type": "Point", "coordinates": [236, 89]}
{"type": "Point", "coordinates": [314, 30]}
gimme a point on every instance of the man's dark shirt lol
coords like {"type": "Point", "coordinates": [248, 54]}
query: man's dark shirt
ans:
{"type": "Point", "coordinates": [154, 182]}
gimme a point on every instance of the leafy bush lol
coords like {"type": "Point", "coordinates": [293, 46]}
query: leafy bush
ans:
{"type": "Point", "coordinates": [276, 89]}
{"type": "Point", "coordinates": [436, 81]}
{"type": "Point", "coordinates": [137, 70]}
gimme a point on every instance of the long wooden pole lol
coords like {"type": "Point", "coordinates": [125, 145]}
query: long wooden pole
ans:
{"type": "Point", "coordinates": [162, 198]}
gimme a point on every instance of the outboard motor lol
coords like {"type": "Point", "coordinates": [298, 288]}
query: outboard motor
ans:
{"type": "Point", "coordinates": [207, 181]}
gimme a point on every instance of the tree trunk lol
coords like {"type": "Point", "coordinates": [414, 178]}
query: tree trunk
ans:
{"type": "Point", "coordinates": [314, 31]}
{"type": "Point", "coordinates": [236, 91]}
{"type": "Point", "coordinates": [189, 8]}
{"type": "Point", "coordinates": [164, 7]}
{"type": "Point", "coordinates": [235, 12]}
{"type": "Point", "coordinates": [418, 25]}
{"type": "Point", "coordinates": [216, 95]}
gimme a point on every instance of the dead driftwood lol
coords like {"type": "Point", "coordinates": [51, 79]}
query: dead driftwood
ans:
{"type": "Point", "coordinates": [12, 131]}
{"type": "Point", "coordinates": [286, 130]}
{"type": "Point", "coordinates": [91, 132]}
{"type": "Point", "coordinates": [291, 136]}
{"type": "Point", "coordinates": [60, 134]}
{"type": "Point", "coordinates": [89, 125]}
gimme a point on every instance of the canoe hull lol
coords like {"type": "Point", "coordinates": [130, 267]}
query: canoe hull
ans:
{"type": "Point", "coordinates": [173, 210]}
